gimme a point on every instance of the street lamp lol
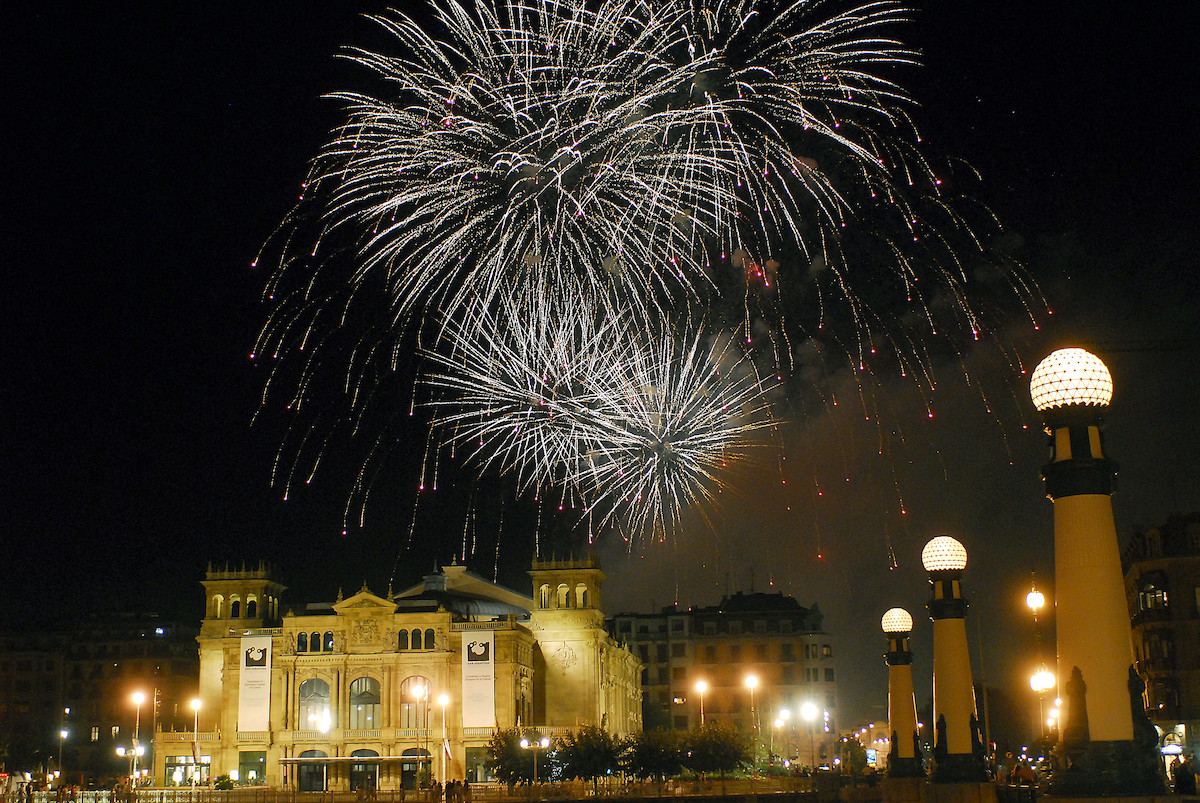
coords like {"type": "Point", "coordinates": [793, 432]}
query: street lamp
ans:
{"type": "Point", "coordinates": [195, 740]}
{"type": "Point", "coordinates": [1041, 682]}
{"type": "Point", "coordinates": [701, 687]}
{"type": "Point", "coordinates": [420, 693]}
{"type": "Point", "coordinates": [808, 712]}
{"type": "Point", "coordinates": [752, 683]}
{"type": "Point", "coordinates": [443, 699]}
{"type": "Point", "coordinates": [138, 699]}
{"type": "Point", "coordinates": [541, 744]}
{"type": "Point", "coordinates": [132, 754]}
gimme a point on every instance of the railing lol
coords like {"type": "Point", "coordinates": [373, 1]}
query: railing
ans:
{"type": "Point", "coordinates": [362, 734]}
{"type": "Point", "coordinates": [164, 737]}
{"type": "Point", "coordinates": [503, 624]}
{"type": "Point", "coordinates": [253, 736]}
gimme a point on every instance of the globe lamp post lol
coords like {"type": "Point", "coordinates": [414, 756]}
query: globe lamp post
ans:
{"type": "Point", "coordinates": [138, 699]}
{"type": "Point", "coordinates": [958, 749]}
{"type": "Point", "coordinates": [1042, 681]}
{"type": "Point", "coordinates": [904, 759]}
{"type": "Point", "coordinates": [701, 687]}
{"type": "Point", "coordinates": [1071, 389]}
{"type": "Point", "coordinates": [535, 746]}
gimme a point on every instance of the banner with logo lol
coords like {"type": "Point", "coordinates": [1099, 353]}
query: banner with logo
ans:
{"type": "Point", "coordinates": [254, 692]}
{"type": "Point", "coordinates": [479, 679]}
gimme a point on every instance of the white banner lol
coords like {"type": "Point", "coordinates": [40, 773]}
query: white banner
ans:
{"type": "Point", "coordinates": [479, 679]}
{"type": "Point", "coordinates": [254, 692]}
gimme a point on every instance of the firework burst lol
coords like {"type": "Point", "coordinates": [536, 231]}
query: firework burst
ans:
{"type": "Point", "coordinates": [639, 422]}
{"type": "Point", "coordinates": [547, 175]}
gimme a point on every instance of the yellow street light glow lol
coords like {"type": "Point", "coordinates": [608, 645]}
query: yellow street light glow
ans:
{"type": "Point", "coordinates": [897, 620]}
{"type": "Point", "coordinates": [1042, 680]}
{"type": "Point", "coordinates": [944, 553]}
{"type": "Point", "coordinates": [1070, 377]}
{"type": "Point", "coordinates": [1034, 600]}
{"type": "Point", "coordinates": [751, 681]}
{"type": "Point", "coordinates": [138, 698]}
{"type": "Point", "coordinates": [701, 686]}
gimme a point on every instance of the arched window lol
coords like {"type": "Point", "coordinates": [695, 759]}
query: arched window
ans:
{"type": "Point", "coordinates": [544, 596]}
{"type": "Point", "coordinates": [581, 596]}
{"type": "Point", "coordinates": [328, 641]}
{"type": "Point", "coordinates": [402, 640]}
{"type": "Point", "coordinates": [314, 642]}
{"type": "Point", "coordinates": [429, 639]}
{"type": "Point", "coordinates": [251, 607]}
{"type": "Point", "coordinates": [314, 705]}
{"type": "Point", "coordinates": [415, 694]}
{"type": "Point", "coordinates": [311, 777]}
{"type": "Point", "coordinates": [302, 642]}
{"type": "Point", "coordinates": [364, 775]}
{"type": "Point", "coordinates": [416, 639]}
{"type": "Point", "coordinates": [564, 596]}
{"type": "Point", "coordinates": [218, 606]}
{"type": "Point", "coordinates": [235, 608]}
{"type": "Point", "coordinates": [364, 704]}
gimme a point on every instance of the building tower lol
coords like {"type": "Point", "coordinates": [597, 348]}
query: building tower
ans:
{"type": "Point", "coordinates": [237, 599]}
{"type": "Point", "coordinates": [904, 761]}
{"type": "Point", "coordinates": [958, 750]}
{"type": "Point", "coordinates": [1099, 738]}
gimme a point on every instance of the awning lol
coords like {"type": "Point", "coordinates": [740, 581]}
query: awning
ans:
{"type": "Point", "coordinates": [354, 759]}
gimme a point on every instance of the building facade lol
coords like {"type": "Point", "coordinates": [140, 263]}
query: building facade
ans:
{"type": "Point", "coordinates": [1162, 587]}
{"type": "Point", "coordinates": [80, 681]}
{"type": "Point", "coordinates": [767, 637]}
{"type": "Point", "coordinates": [387, 691]}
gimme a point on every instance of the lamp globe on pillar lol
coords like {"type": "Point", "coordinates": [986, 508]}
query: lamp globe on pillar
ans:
{"type": "Point", "coordinates": [957, 750]}
{"type": "Point", "coordinates": [904, 760]}
{"type": "Point", "coordinates": [1104, 735]}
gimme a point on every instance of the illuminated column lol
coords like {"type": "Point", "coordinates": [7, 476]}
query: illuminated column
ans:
{"type": "Point", "coordinates": [958, 750]}
{"type": "Point", "coordinates": [904, 761]}
{"type": "Point", "coordinates": [1071, 389]}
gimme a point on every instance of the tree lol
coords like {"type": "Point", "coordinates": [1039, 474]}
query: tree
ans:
{"type": "Point", "coordinates": [654, 754]}
{"type": "Point", "coordinates": [716, 747]}
{"type": "Point", "coordinates": [589, 753]}
{"type": "Point", "coordinates": [507, 760]}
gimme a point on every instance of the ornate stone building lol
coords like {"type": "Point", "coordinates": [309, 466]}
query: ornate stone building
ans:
{"type": "Point", "coordinates": [379, 690]}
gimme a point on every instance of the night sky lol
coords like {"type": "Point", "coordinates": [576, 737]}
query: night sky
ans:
{"type": "Point", "coordinates": [152, 148]}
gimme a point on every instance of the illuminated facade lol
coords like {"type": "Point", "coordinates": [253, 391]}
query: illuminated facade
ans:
{"type": "Point", "coordinates": [1162, 586]}
{"type": "Point", "coordinates": [383, 691]}
{"type": "Point", "coordinates": [769, 637]}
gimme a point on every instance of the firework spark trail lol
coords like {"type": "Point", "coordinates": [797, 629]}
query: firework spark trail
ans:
{"type": "Point", "coordinates": [639, 422]}
{"type": "Point", "coordinates": [537, 153]}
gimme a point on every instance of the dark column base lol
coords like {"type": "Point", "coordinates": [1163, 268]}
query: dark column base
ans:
{"type": "Point", "coordinates": [905, 768]}
{"type": "Point", "coordinates": [1106, 769]}
{"type": "Point", "coordinates": [959, 768]}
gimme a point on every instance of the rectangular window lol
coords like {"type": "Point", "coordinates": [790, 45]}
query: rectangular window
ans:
{"type": "Point", "coordinates": [625, 626]}
{"type": "Point", "coordinates": [676, 625]}
{"type": "Point", "coordinates": [710, 654]}
{"type": "Point", "coordinates": [644, 653]}
{"type": "Point", "coordinates": [829, 676]}
{"type": "Point", "coordinates": [95, 733]}
{"type": "Point", "coordinates": [660, 653]}
{"type": "Point", "coordinates": [826, 650]}
{"type": "Point", "coordinates": [116, 731]}
{"type": "Point", "coordinates": [735, 652]}
{"type": "Point", "coordinates": [678, 673]}
{"type": "Point", "coordinates": [786, 652]}
{"type": "Point", "coordinates": [760, 651]}
{"type": "Point", "coordinates": [678, 650]}
{"type": "Point", "coordinates": [252, 767]}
